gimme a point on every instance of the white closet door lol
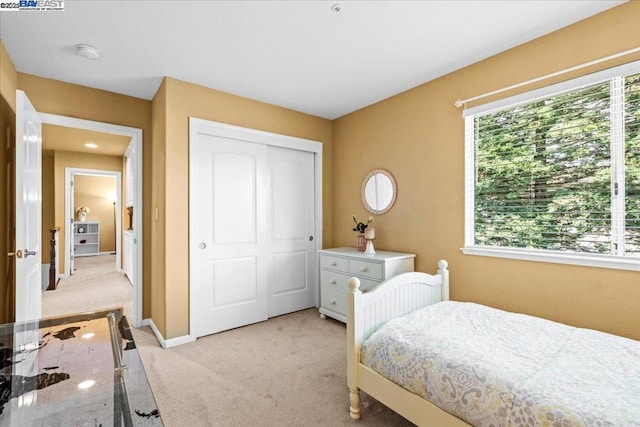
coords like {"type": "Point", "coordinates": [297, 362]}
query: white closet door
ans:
{"type": "Point", "coordinates": [291, 225]}
{"type": "Point", "coordinates": [229, 283]}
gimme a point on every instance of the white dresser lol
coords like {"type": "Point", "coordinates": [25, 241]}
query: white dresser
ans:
{"type": "Point", "coordinates": [339, 264]}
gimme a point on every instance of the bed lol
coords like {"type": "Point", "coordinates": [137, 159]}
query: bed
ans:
{"type": "Point", "coordinates": [466, 364]}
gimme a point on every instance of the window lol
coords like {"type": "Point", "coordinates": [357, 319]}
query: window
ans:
{"type": "Point", "coordinates": [554, 174]}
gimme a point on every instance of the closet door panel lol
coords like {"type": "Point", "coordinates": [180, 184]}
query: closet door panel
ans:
{"type": "Point", "coordinates": [291, 283]}
{"type": "Point", "coordinates": [230, 280]}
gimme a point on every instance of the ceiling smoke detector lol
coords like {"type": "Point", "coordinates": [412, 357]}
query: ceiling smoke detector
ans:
{"type": "Point", "coordinates": [88, 51]}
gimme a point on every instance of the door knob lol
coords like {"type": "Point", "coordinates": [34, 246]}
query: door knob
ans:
{"type": "Point", "coordinates": [311, 238]}
{"type": "Point", "coordinates": [202, 245]}
{"type": "Point", "coordinates": [27, 252]}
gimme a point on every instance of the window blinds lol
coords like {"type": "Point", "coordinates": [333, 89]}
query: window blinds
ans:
{"type": "Point", "coordinates": [632, 165]}
{"type": "Point", "coordinates": [559, 172]}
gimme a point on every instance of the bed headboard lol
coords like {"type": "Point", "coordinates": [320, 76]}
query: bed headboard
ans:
{"type": "Point", "coordinates": [396, 297]}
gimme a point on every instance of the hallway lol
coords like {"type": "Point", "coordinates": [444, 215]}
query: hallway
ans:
{"type": "Point", "coordinates": [95, 285]}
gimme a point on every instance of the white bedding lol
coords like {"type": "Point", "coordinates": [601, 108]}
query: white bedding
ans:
{"type": "Point", "coordinates": [495, 368]}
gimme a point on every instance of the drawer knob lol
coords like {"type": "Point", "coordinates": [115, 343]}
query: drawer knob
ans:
{"type": "Point", "coordinates": [334, 282]}
{"type": "Point", "coordinates": [364, 268]}
{"type": "Point", "coordinates": [333, 264]}
{"type": "Point", "coordinates": [333, 301]}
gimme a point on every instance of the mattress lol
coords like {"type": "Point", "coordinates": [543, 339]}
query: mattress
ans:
{"type": "Point", "coordinates": [494, 368]}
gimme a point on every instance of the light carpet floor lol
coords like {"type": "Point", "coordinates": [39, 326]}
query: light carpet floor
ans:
{"type": "Point", "coordinates": [94, 285]}
{"type": "Point", "coordinates": [288, 371]}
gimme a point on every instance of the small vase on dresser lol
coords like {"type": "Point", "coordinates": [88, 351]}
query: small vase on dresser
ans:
{"type": "Point", "coordinates": [338, 265]}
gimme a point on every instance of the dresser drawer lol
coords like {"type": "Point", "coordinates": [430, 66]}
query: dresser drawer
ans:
{"type": "Point", "coordinates": [334, 281]}
{"type": "Point", "coordinates": [366, 269]}
{"type": "Point", "coordinates": [334, 301]}
{"type": "Point", "coordinates": [339, 282]}
{"type": "Point", "coordinates": [335, 263]}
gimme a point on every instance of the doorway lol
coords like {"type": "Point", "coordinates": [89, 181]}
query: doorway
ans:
{"type": "Point", "coordinates": [92, 203]}
{"type": "Point", "coordinates": [133, 137]}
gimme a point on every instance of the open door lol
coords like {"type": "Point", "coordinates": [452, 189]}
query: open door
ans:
{"type": "Point", "coordinates": [72, 230]}
{"type": "Point", "coordinates": [28, 209]}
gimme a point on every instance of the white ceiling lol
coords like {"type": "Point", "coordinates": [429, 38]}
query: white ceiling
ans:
{"type": "Point", "coordinates": [296, 54]}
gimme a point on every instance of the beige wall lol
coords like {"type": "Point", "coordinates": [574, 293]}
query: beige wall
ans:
{"type": "Point", "coordinates": [157, 225]}
{"type": "Point", "coordinates": [97, 193]}
{"type": "Point", "coordinates": [8, 78]}
{"type": "Point", "coordinates": [48, 204]}
{"type": "Point", "coordinates": [65, 99]}
{"type": "Point", "coordinates": [65, 159]}
{"type": "Point", "coordinates": [183, 100]}
{"type": "Point", "coordinates": [418, 137]}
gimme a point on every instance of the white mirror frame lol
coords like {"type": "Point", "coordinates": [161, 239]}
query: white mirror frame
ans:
{"type": "Point", "coordinates": [394, 192]}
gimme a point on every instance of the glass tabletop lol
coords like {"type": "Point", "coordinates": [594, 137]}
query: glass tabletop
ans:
{"type": "Point", "coordinates": [77, 370]}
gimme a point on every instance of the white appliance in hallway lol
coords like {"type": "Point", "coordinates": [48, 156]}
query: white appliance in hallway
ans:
{"type": "Point", "coordinates": [253, 229]}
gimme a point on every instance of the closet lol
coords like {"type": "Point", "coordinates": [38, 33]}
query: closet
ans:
{"type": "Point", "coordinates": [254, 217]}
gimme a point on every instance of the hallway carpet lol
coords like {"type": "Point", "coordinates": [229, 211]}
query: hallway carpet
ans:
{"type": "Point", "coordinates": [94, 285]}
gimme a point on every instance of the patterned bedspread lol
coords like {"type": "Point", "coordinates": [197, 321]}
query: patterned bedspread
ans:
{"type": "Point", "coordinates": [495, 368]}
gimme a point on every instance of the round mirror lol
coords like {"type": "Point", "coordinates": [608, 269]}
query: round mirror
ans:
{"type": "Point", "coordinates": [378, 191]}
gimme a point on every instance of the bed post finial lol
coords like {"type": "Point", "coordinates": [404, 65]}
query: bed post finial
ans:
{"type": "Point", "coordinates": [442, 271]}
{"type": "Point", "coordinates": [354, 284]}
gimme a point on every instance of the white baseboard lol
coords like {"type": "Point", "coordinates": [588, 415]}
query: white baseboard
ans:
{"type": "Point", "coordinates": [172, 342]}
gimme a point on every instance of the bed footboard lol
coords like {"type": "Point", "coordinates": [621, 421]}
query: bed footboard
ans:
{"type": "Point", "coordinates": [396, 297]}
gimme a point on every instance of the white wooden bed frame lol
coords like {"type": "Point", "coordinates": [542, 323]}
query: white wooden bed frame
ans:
{"type": "Point", "coordinates": [366, 312]}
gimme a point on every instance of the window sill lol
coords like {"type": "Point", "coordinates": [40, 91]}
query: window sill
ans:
{"type": "Point", "coordinates": [588, 260]}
